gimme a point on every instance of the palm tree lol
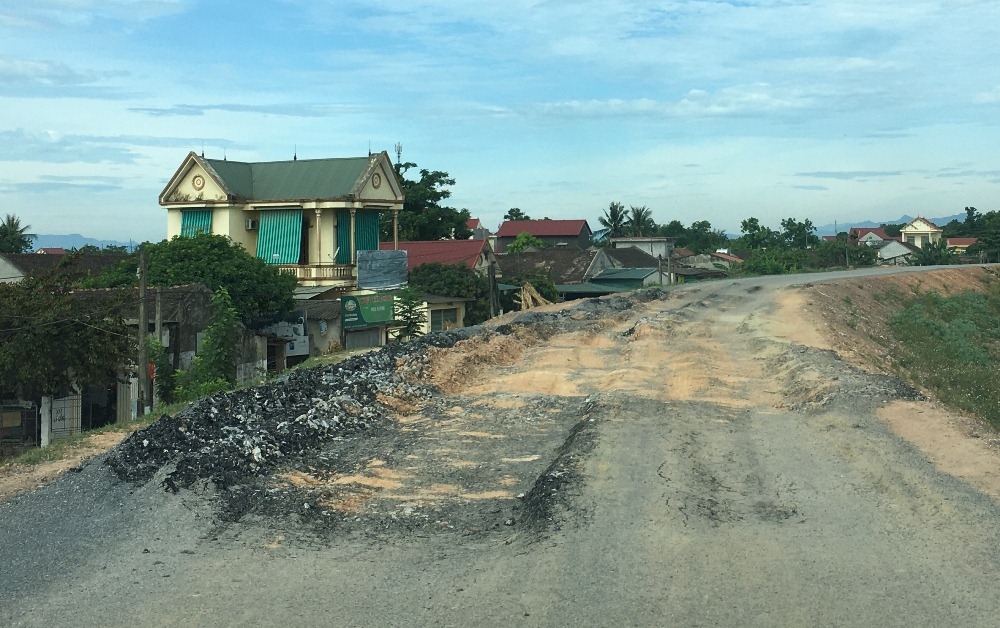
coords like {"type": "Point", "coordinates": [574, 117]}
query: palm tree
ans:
{"type": "Point", "coordinates": [640, 221]}
{"type": "Point", "coordinates": [15, 238]}
{"type": "Point", "coordinates": [614, 220]}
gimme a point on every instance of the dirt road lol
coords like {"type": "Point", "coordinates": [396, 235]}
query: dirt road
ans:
{"type": "Point", "coordinates": [694, 458]}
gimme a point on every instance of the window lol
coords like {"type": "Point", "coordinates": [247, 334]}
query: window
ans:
{"type": "Point", "coordinates": [444, 319]}
{"type": "Point", "coordinates": [195, 221]}
{"type": "Point", "coordinates": [279, 236]}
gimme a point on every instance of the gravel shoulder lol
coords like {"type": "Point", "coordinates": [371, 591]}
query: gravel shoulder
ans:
{"type": "Point", "coordinates": [700, 456]}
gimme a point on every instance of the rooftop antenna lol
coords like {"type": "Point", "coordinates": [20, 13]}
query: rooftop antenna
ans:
{"type": "Point", "coordinates": [369, 148]}
{"type": "Point", "coordinates": [295, 153]}
{"type": "Point", "coordinates": [399, 152]}
{"type": "Point", "coordinates": [223, 154]}
{"type": "Point", "coordinates": [203, 150]}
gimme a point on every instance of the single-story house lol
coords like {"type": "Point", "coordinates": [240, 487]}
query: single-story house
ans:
{"type": "Point", "coordinates": [961, 245]}
{"type": "Point", "coordinates": [574, 234]}
{"type": "Point", "coordinates": [656, 247]}
{"type": "Point", "coordinates": [895, 253]}
{"type": "Point", "coordinates": [476, 254]}
{"type": "Point", "coordinates": [478, 229]}
{"type": "Point", "coordinates": [869, 236]}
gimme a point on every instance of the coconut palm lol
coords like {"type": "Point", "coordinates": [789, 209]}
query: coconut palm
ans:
{"type": "Point", "coordinates": [614, 220]}
{"type": "Point", "coordinates": [14, 238]}
{"type": "Point", "coordinates": [640, 221]}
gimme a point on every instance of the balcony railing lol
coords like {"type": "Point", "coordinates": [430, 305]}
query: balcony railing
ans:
{"type": "Point", "coordinates": [322, 273]}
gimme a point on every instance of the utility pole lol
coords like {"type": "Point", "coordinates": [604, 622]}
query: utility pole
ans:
{"type": "Point", "coordinates": [158, 326]}
{"type": "Point", "coordinates": [143, 365]}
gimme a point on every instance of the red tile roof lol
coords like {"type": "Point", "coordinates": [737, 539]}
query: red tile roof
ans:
{"type": "Point", "coordinates": [863, 231]}
{"type": "Point", "coordinates": [962, 241]}
{"type": "Point", "coordinates": [542, 228]}
{"type": "Point", "coordinates": [729, 258]}
{"type": "Point", "coordinates": [441, 251]}
{"type": "Point", "coordinates": [473, 223]}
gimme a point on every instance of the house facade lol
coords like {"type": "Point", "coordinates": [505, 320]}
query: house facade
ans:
{"type": "Point", "coordinates": [310, 217]}
{"type": "Point", "coordinates": [660, 248]}
{"type": "Point", "coordinates": [920, 232]}
{"type": "Point", "coordinates": [869, 236]}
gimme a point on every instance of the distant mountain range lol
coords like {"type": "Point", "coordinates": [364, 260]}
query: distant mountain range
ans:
{"type": "Point", "coordinates": [76, 241]}
{"type": "Point", "coordinates": [844, 226]}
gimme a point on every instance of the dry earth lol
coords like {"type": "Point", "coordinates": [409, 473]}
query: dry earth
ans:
{"type": "Point", "coordinates": [846, 316]}
{"type": "Point", "coordinates": [716, 454]}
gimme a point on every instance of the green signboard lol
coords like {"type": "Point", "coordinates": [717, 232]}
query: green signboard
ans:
{"type": "Point", "coordinates": [371, 310]}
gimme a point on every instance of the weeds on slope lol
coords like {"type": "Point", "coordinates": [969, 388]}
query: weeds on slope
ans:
{"type": "Point", "coordinates": [951, 346]}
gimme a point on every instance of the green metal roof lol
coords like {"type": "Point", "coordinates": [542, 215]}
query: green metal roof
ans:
{"type": "Point", "coordinates": [624, 274]}
{"type": "Point", "coordinates": [288, 180]}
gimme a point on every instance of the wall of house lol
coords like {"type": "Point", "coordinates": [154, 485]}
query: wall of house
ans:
{"type": "Point", "coordinates": [8, 272]}
{"type": "Point", "coordinates": [324, 340]}
{"type": "Point", "coordinates": [384, 191]}
{"type": "Point", "coordinates": [431, 307]}
{"type": "Point", "coordinates": [655, 247]}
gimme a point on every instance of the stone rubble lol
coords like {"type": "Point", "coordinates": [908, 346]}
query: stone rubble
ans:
{"type": "Point", "coordinates": [230, 438]}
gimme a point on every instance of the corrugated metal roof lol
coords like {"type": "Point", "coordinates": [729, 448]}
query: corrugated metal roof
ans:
{"type": "Point", "coordinates": [287, 180]}
{"type": "Point", "coordinates": [612, 274]}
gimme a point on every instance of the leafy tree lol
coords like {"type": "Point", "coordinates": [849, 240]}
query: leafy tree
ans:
{"type": "Point", "coordinates": [987, 238]}
{"type": "Point", "coordinates": [640, 221]}
{"type": "Point", "coordinates": [455, 280]}
{"type": "Point", "coordinates": [215, 368]}
{"type": "Point", "coordinates": [217, 262]}
{"type": "Point", "coordinates": [423, 216]}
{"type": "Point", "coordinates": [409, 313]}
{"type": "Point", "coordinates": [798, 234]}
{"type": "Point", "coordinates": [72, 337]}
{"type": "Point", "coordinates": [757, 237]}
{"type": "Point", "coordinates": [515, 213]}
{"type": "Point", "coordinates": [702, 238]}
{"type": "Point", "coordinates": [674, 229]}
{"type": "Point", "coordinates": [14, 237]}
{"type": "Point", "coordinates": [523, 242]}
{"type": "Point", "coordinates": [90, 249]}
{"type": "Point", "coordinates": [933, 254]}
{"type": "Point", "coordinates": [614, 220]}
{"type": "Point", "coordinates": [893, 231]}
{"type": "Point", "coordinates": [165, 378]}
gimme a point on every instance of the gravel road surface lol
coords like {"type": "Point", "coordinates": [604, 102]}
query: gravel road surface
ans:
{"type": "Point", "coordinates": [666, 458]}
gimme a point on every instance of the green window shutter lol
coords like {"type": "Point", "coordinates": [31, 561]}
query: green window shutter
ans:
{"type": "Point", "coordinates": [343, 236]}
{"type": "Point", "coordinates": [366, 230]}
{"type": "Point", "coordinates": [194, 221]}
{"type": "Point", "coordinates": [279, 236]}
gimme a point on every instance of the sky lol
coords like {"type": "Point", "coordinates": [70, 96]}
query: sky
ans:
{"type": "Point", "coordinates": [836, 110]}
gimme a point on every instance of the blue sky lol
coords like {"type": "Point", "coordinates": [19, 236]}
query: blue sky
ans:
{"type": "Point", "coordinates": [701, 110]}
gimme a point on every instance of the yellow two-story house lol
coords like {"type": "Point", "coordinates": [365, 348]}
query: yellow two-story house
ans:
{"type": "Point", "coordinates": [310, 217]}
{"type": "Point", "coordinates": [921, 231]}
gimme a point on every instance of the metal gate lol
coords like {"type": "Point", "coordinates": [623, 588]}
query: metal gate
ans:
{"type": "Point", "coordinates": [67, 416]}
{"type": "Point", "coordinates": [363, 338]}
{"type": "Point", "coordinates": [18, 426]}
